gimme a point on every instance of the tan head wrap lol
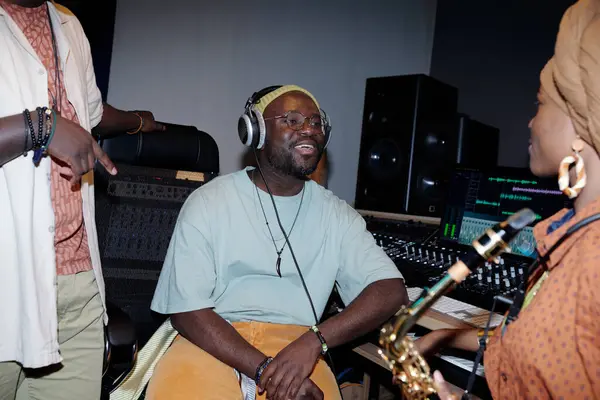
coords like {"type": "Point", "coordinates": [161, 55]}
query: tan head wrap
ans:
{"type": "Point", "coordinates": [572, 77]}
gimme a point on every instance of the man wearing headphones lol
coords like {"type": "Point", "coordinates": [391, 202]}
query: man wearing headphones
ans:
{"type": "Point", "coordinates": [253, 260]}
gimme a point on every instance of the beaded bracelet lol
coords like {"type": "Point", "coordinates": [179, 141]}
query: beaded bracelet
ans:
{"type": "Point", "coordinates": [45, 132]}
{"type": "Point", "coordinates": [261, 368]}
{"type": "Point", "coordinates": [50, 128]}
{"type": "Point", "coordinates": [40, 131]}
{"type": "Point", "coordinates": [26, 118]}
{"type": "Point", "coordinates": [324, 347]}
{"type": "Point", "coordinates": [30, 129]}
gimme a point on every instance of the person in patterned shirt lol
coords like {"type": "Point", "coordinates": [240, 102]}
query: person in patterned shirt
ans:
{"type": "Point", "coordinates": [552, 351]}
{"type": "Point", "coordinates": [52, 296]}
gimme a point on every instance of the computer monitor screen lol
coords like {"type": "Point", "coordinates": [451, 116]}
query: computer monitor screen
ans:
{"type": "Point", "coordinates": [479, 199]}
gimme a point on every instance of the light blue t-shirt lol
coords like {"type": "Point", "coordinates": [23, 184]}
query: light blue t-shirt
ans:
{"type": "Point", "coordinates": [222, 256]}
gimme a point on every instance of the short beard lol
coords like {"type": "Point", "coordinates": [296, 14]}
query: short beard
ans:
{"type": "Point", "coordinates": [282, 160]}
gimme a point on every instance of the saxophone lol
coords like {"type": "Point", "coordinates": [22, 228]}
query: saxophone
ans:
{"type": "Point", "coordinates": [407, 365]}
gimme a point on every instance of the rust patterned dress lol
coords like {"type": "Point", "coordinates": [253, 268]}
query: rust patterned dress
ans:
{"type": "Point", "coordinates": [553, 350]}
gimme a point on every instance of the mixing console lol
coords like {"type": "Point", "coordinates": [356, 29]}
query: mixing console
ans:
{"type": "Point", "coordinates": [424, 264]}
{"type": "Point", "coordinates": [476, 200]}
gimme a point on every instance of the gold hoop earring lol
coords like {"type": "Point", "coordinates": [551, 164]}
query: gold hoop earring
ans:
{"type": "Point", "coordinates": [563, 171]}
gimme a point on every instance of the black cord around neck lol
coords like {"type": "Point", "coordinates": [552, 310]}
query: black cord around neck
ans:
{"type": "Point", "coordinates": [57, 100]}
{"type": "Point", "coordinates": [287, 239]}
{"type": "Point", "coordinates": [279, 252]}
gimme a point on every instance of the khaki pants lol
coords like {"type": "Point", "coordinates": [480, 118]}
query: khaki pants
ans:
{"type": "Point", "coordinates": [81, 339]}
{"type": "Point", "coordinates": [186, 372]}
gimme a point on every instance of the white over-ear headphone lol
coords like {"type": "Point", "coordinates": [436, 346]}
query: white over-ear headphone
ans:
{"type": "Point", "coordinates": [251, 125]}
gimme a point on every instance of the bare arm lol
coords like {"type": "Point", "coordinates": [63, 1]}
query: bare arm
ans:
{"type": "Point", "coordinates": [114, 120]}
{"type": "Point", "coordinates": [118, 121]}
{"type": "Point", "coordinates": [434, 341]}
{"type": "Point", "coordinates": [207, 330]}
{"type": "Point", "coordinates": [70, 143]}
{"type": "Point", "coordinates": [376, 303]}
{"type": "Point", "coordinates": [463, 339]}
{"type": "Point", "coordinates": [13, 141]}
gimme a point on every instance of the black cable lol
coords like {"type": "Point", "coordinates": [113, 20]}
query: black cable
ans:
{"type": "Point", "coordinates": [431, 235]}
{"type": "Point", "coordinates": [58, 97]}
{"type": "Point", "coordinates": [285, 235]}
{"type": "Point", "coordinates": [287, 240]}
{"type": "Point", "coordinates": [482, 344]}
{"type": "Point", "coordinates": [584, 222]}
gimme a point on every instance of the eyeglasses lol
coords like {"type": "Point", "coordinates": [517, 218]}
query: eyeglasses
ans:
{"type": "Point", "coordinates": [295, 120]}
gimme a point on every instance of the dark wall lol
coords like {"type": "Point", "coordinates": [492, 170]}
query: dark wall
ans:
{"type": "Point", "coordinates": [493, 52]}
{"type": "Point", "coordinates": [98, 21]}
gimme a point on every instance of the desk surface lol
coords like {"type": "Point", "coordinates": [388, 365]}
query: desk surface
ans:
{"type": "Point", "coordinates": [399, 217]}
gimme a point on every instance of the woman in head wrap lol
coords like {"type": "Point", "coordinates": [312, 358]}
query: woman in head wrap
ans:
{"type": "Point", "coordinates": [552, 351]}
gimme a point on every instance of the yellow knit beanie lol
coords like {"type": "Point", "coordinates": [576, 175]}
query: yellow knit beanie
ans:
{"type": "Point", "coordinates": [267, 99]}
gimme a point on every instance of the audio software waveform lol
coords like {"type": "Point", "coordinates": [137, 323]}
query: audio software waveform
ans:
{"type": "Point", "coordinates": [509, 196]}
{"type": "Point", "coordinates": [538, 191]}
{"type": "Point", "coordinates": [508, 180]}
{"type": "Point", "coordinates": [472, 228]}
{"type": "Point", "coordinates": [487, 203]}
{"type": "Point", "coordinates": [505, 196]}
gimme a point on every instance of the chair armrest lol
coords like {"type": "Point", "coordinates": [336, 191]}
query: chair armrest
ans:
{"type": "Point", "coordinates": [120, 330]}
{"type": "Point", "coordinates": [121, 348]}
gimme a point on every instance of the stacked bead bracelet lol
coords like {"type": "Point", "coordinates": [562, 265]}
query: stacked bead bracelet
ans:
{"type": "Point", "coordinates": [261, 368]}
{"type": "Point", "coordinates": [263, 365]}
{"type": "Point", "coordinates": [41, 139]}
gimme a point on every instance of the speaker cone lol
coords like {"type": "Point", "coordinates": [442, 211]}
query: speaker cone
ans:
{"type": "Point", "coordinates": [435, 144]}
{"type": "Point", "coordinates": [430, 185]}
{"type": "Point", "coordinates": [385, 159]}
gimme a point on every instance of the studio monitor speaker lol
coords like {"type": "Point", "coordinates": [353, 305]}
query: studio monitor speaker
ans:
{"type": "Point", "coordinates": [409, 139]}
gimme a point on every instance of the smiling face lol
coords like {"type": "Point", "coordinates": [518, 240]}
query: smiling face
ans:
{"type": "Point", "coordinates": [290, 151]}
{"type": "Point", "coordinates": [552, 133]}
